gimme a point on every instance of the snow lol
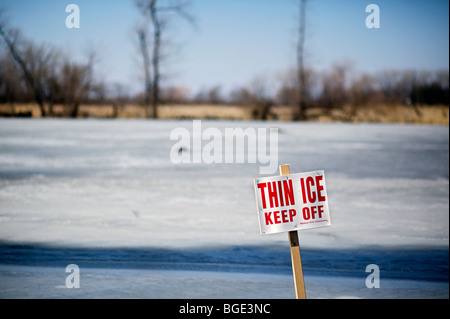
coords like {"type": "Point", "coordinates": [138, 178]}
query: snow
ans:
{"type": "Point", "coordinates": [104, 194]}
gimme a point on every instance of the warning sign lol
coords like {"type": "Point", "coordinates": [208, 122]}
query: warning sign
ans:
{"type": "Point", "coordinates": [292, 202]}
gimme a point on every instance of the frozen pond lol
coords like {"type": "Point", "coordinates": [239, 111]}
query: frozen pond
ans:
{"type": "Point", "coordinates": [105, 195]}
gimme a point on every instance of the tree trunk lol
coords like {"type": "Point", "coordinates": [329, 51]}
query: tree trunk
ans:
{"type": "Point", "coordinates": [301, 113]}
{"type": "Point", "coordinates": [147, 74]}
{"type": "Point", "coordinates": [155, 58]}
{"type": "Point", "coordinates": [40, 102]}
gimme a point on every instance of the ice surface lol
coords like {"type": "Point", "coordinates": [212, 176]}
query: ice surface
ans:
{"type": "Point", "coordinates": [110, 185]}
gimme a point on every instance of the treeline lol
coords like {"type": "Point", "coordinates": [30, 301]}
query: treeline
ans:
{"type": "Point", "coordinates": [45, 75]}
{"type": "Point", "coordinates": [327, 90]}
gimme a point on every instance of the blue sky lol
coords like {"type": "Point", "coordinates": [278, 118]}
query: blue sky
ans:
{"type": "Point", "coordinates": [236, 40]}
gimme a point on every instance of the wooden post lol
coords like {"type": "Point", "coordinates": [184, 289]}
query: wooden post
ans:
{"type": "Point", "coordinates": [295, 253]}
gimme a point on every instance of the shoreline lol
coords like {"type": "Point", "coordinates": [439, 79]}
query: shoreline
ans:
{"type": "Point", "coordinates": [399, 114]}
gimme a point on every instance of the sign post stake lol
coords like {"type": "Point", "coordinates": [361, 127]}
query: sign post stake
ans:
{"type": "Point", "coordinates": [295, 253]}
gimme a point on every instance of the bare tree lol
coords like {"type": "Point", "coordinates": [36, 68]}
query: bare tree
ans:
{"type": "Point", "coordinates": [362, 92]}
{"type": "Point", "coordinates": [32, 61]}
{"type": "Point", "coordinates": [388, 81]}
{"type": "Point", "coordinates": [301, 113]}
{"type": "Point", "coordinates": [334, 91]}
{"type": "Point", "coordinates": [157, 14]}
{"type": "Point", "coordinates": [119, 98]}
{"type": "Point", "coordinates": [261, 97]}
{"type": "Point", "coordinates": [12, 88]}
{"type": "Point", "coordinates": [50, 76]}
{"type": "Point", "coordinates": [288, 93]}
{"type": "Point", "coordinates": [257, 95]}
{"type": "Point", "coordinates": [75, 81]}
{"type": "Point", "coordinates": [214, 95]}
{"type": "Point", "coordinates": [143, 46]}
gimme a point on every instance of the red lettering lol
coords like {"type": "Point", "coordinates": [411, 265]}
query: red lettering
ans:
{"type": "Point", "coordinates": [302, 183]}
{"type": "Point", "coordinates": [320, 188]}
{"type": "Point", "coordinates": [261, 186]}
{"type": "Point", "coordinates": [306, 214]}
{"type": "Point", "coordinates": [268, 218]}
{"type": "Point", "coordinates": [273, 196]}
{"type": "Point", "coordinates": [292, 213]}
{"type": "Point", "coordinates": [284, 216]}
{"type": "Point", "coordinates": [276, 217]}
{"type": "Point", "coordinates": [320, 209]}
{"type": "Point", "coordinates": [288, 192]}
{"type": "Point", "coordinates": [280, 192]}
{"type": "Point", "coordinates": [311, 195]}
{"type": "Point", "coordinates": [313, 212]}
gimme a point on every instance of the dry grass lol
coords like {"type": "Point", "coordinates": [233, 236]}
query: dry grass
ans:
{"type": "Point", "coordinates": [374, 113]}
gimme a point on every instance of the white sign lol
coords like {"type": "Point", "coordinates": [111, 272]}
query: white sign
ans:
{"type": "Point", "coordinates": [292, 202]}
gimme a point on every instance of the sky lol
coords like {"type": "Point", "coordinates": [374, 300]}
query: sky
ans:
{"type": "Point", "coordinates": [234, 41]}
